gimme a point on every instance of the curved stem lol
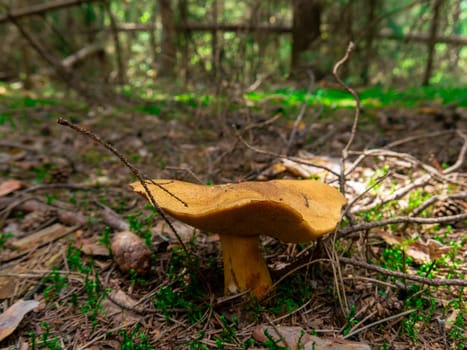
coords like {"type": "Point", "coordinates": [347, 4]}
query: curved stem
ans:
{"type": "Point", "coordinates": [244, 266]}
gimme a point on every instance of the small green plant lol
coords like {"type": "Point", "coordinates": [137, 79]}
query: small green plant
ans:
{"type": "Point", "coordinates": [185, 291]}
{"type": "Point", "coordinates": [291, 294]}
{"type": "Point", "coordinates": [457, 333]}
{"type": "Point", "coordinates": [135, 340]}
{"type": "Point", "coordinates": [45, 339]}
{"type": "Point", "coordinates": [142, 226]}
{"type": "Point", "coordinates": [394, 258]}
{"type": "Point", "coordinates": [55, 282]}
{"type": "Point", "coordinates": [41, 172]}
{"type": "Point", "coordinates": [196, 343]}
{"type": "Point", "coordinates": [416, 198]}
{"type": "Point", "coordinates": [350, 320]}
{"type": "Point", "coordinates": [104, 238]}
{"type": "Point", "coordinates": [228, 333]}
{"type": "Point", "coordinates": [3, 238]}
{"type": "Point", "coordinates": [95, 293]}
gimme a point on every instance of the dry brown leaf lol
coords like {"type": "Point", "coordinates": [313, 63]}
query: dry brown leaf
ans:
{"type": "Point", "coordinates": [10, 186]}
{"type": "Point", "coordinates": [420, 251]}
{"type": "Point", "coordinates": [296, 338]}
{"type": "Point", "coordinates": [184, 231]}
{"type": "Point", "coordinates": [118, 308]}
{"type": "Point", "coordinates": [91, 246]}
{"type": "Point", "coordinates": [451, 319]}
{"type": "Point", "coordinates": [11, 318]}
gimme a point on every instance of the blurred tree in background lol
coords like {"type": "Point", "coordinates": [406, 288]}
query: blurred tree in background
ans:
{"type": "Point", "coordinates": [110, 43]}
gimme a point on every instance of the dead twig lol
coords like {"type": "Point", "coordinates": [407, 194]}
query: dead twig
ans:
{"type": "Point", "coordinates": [401, 314]}
{"type": "Point", "coordinates": [417, 137]}
{"type": "Point", "coordinates": [345, 151]}
{"type": "Point", "coordinates": [279, 156]}
{"type": "Point", "coordinates": [461, 157]}
{"type": "Point", "coordinates": [139, 175]}
{"type": "Point", "coordinates": [398, 220]}
{"type": "Point", "coordinates": [397, 274]}
{"type": "Point", "coordinates": [32, 204]}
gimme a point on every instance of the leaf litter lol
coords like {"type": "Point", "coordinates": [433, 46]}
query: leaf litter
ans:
{"type": "Point", "coordinates": [89, 303]}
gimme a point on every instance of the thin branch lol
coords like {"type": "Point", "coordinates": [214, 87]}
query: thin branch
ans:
{"type": "Point", "coordinates": [461, 157]}
{"type": "Point", "coordinates": [401, 314]}
{"type": "Point", "coordinates": [279, 156]}
{"type": "Point", "coordinates": [43, 8]}
{"type": "Point", "coordinates": [345, 151]}
{"type": "Point", "coordinates": [399, 220]}
{"type": "Point", "coordinates": [415, 278]}
{"type": "Point", "coordinates": [141, 177]}
{"type": "Point", "coordinates": [417, 137]}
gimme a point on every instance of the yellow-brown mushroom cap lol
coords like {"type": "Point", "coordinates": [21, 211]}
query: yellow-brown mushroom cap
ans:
{"type": "Point", "coordinates": [289, 210]}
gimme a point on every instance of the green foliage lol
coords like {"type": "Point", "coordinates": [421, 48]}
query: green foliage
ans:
{"type": "Point", "coordinates": [394, 258]}
{"type": "Point", "coordinates": [104, 237]}
{"type": "Point", "coordinates": [350, 320]}
{"type": "Point", "coordinates": [135, 340]}
{"type": "Point", "coordinates": [142, 226]}
{"type": "Point", "coordinates": [54, 282]}
{"type": "Point", "coordinates": [228, 333]}
{"type": "Point", "coordinates": [45, 339]}
{"type": "Point", "coordinates": [196, 343]}
{"type": "Point", "coordinates": [3, 238]}
{"type": "Point", "coordinates": [457, 333]}
{"type": "Point", "coordinates": [291, 294]}
{"type": "Point", "coordinates": [93, 290]}
{"type": "Point", "coordinates": [185, 291]}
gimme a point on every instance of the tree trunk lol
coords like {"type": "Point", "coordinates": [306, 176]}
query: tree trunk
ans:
{"type": "Point", "coordinates": [183, 37]}
{"type": "Point", "coordinates": [370, 35]}
{"type": "Point", "coordinates": [305, 28]}
{"type": "Point", "coordinates": [214, 40]}
{"type": "Point", "coordinates": [432, 41]}
{"type": "Point", "coordinates": [167, 60]}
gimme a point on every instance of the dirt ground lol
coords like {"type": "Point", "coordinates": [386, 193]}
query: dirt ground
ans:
{"type": "Point", "coordinates": [71, 196]}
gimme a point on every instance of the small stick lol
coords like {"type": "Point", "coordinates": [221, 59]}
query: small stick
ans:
{"type": "Point", "coordinates": [415, 278]}
{"type": "Point", "coordinates": [345, 151]}
{"type": "Point", "coordinates": [135, 172]}
{"type": "Point", "coordinates": [399, 220]}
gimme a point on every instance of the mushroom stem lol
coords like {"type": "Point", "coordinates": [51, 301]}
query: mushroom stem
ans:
{"type": "Point", "coordinates": [244, 266]}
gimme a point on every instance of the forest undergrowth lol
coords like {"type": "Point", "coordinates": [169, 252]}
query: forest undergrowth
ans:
{"type": "Point", "coordinates": [392, 275]}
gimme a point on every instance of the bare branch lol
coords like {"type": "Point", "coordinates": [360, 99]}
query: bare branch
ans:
{"type": "Point", "coordinates": [415, 278]}
{"type": "Point", "coordinates": [345, 151]}
{"type": "Point", "coordinates": [139, 175]}
{"type": "Point", "coordinates": [42, 8]}
{"type": "Point", "coordinates": [399, 220]}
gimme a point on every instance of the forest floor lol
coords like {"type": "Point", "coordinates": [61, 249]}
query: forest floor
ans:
{"type": "Point", "coordinates": [63, 197]}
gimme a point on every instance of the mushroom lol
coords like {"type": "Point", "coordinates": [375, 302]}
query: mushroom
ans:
{"type": "Point", "coordinates": [294, 211]}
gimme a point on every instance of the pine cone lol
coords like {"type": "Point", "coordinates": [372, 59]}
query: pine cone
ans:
{"type": "Point", "coordinates": [36, 219]}
{"type": "Point", "coordinates": [449, 207]}
{"type": "Point", "coordinates": [59, 174]}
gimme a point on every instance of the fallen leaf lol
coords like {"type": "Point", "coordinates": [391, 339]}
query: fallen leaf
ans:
{"type": "Point", "coordinates": [185, 231]}
{"type": "Point", "coordinates": [10, 186]}
{"type": "Point", "coordinates": [118, 308]}
{"type": "Point", "coordinates": [451, 319]}
{"type": "Point", "coordinates": [421, 252]}
{"type": "Point", "coordinates": [11, 318]}
{"type": "Point", "coordinates": [91, 246]}
{"type": "Point", "coordinates": [296, 338]}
